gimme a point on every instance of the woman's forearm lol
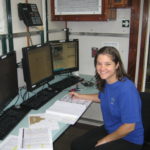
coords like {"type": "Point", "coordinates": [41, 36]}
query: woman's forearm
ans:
{"type": "Point", "coordinates": [119, 133]}
{"type": "Point", "coordinates": [92, 97]}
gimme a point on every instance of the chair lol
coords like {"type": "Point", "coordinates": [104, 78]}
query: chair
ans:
{"type": "Point", "coordinates": [145, 97]}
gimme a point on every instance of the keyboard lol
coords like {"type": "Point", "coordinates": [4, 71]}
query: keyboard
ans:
{"type": "Point", "coordinates": [39, 99]}
{"type": "Point", "coordinates": [65, 83]}
{"type": "Point", "coordinates": [10, 118]}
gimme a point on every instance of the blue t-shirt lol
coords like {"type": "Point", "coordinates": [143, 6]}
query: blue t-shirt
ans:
{"type": "Point", "coordinates": [121, 103]}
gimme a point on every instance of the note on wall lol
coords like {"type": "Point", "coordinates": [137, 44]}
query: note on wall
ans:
{"type": "Point", "coordinates": [113, 44]}
{"type": "Point", "coordinates": [72, 7]}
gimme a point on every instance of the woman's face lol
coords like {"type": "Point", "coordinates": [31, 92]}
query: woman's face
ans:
{"type": "Point", "coordinates": [106, 68]}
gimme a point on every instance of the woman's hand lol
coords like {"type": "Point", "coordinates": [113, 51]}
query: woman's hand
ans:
{"type": "Point", "coordinates": [75, 94]}
{"type": "Point", "coordinates": [100, 142]}
{"type": "Point", "coordinates": [91, 97]}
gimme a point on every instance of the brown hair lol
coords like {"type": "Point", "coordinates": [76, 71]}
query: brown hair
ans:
{"type": "Point", "coordinates": [120, 72]}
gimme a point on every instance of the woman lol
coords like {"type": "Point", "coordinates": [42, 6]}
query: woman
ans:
{"type": "Point", "coordinates": [120, 105]}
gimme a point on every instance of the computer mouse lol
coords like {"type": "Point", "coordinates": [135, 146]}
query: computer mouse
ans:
{"type": "Point", "coordinates": [49, 89]}
{"type": "Point", "coordinates": [17, 107]}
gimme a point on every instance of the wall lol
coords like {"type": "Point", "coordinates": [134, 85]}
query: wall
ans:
{"type": "Point", "coordinates": [56, 26]}
{"type": "Point", "coordinates": [98, 34]}
{"type": "Point", "coordinates": [3, 25]}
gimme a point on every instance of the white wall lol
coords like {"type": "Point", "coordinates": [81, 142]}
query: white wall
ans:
{"type": "Point", "coordinates": [114, 26]}
{"type": "Point", "coordinates": [3, 25]}
{"type": "Point", "coordinates": [86, 64]}
{"type": "Point", "coordinates": [114, 34]}
{"type": "Point", "coordinates": [55, 25]}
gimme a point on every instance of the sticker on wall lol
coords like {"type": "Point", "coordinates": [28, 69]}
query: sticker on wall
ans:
{"type": "Point", "coordinates": [113, 44]}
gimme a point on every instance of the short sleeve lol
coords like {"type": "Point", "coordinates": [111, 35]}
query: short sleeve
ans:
{"type": "Point", "coordinates": [130, 106]}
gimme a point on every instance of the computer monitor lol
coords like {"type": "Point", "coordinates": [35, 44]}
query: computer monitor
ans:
{"type": "Point", "coordinates": [37, 65]}
{"type": "Point", "coordinates": [8, 79]}
{"type": "Point", "coordinates": [65, 56]}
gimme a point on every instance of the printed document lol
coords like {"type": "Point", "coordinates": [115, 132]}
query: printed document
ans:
{"type": "Point", "coordinates": [42, 120]}
{"type": "Point", "coordinates": [10, 143]}
{"type": "Point", "coordinates": [35, 139]}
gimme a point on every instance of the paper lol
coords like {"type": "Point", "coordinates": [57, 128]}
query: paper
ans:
{"type": "Point", "coordinates": [65, 7]}
{"type": "Point", "coordinates": [66, 112]}
{"type": "Point", "coordinates": [42, 120]}
{"type": "Point", "coordinates": [10, 143]}
{"type": "Point", "coordinates": [68, 98]}
{"type": "Point", "coordinates": [35, 139]}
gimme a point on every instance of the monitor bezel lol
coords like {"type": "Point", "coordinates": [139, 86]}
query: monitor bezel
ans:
{"type": "Point", "coordinates": [72, 69]}
{"type": "Point", "coordinates": [26, 68]}
{"type": "Point", "coordinates": [11, 97]}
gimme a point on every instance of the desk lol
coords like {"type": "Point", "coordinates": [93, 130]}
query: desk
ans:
{"type": "Point", "coordinates": [62, 126]}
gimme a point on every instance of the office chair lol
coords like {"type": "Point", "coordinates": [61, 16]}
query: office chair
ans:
{"type": "Point", "coordinates": [145, 97]}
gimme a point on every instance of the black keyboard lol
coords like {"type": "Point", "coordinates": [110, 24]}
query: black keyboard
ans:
{"type": "Point", "coordinates": [39, 99]}
{"type": "Point", "coordinates": [10, 118]}
{"type": "Point", "coordinates": [65, 83]}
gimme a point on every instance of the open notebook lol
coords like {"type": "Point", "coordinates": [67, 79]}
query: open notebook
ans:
{"type": "Point", "coordinates": [67, 109]}
{"type": "Point", "coordinates": [35, 139]}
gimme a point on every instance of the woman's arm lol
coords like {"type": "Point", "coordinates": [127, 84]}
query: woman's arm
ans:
{"type": "Point", "coordinates": [122, 131]}
{"type": "Point", "coordinates": [92, 97]}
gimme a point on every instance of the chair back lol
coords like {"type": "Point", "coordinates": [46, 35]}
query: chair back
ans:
{"type": "Point", "coordinates": [145, 98]}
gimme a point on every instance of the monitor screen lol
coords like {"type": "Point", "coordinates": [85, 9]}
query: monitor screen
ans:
{"type": "Point", "coordinates": [65, 56]}
{"type": "Point", "coordinates": [8, 79]}
{"type": "Point", "coordinates": [37, 65]}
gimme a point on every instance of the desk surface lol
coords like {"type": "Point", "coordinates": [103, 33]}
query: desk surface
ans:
{"type": "Point", "coordinates": [62, 126]}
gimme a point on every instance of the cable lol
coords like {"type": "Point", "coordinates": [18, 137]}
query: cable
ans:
{"type": "Point", "coordinates": [88, 83]}
{"type": "Point", "coordinates": [29, 36]}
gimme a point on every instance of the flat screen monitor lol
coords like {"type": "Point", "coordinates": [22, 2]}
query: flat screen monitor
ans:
{"type": "Point", "coordinates": [37, 65]}
{"type": "Point", "coordinates": [65, 56]}
{"type": "Point", "coordinates": [8, 79]}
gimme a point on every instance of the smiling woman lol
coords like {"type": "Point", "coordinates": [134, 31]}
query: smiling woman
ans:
{"type": "Point", "coordinates": [120, 105]}
{"type": "Point", "coordinates": [108, 58]}
{"type": "Point", "coordinates": [106, 68]}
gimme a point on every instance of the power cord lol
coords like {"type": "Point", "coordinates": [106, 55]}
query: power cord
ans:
{"type": "Point", "coordinates": [87, 83]}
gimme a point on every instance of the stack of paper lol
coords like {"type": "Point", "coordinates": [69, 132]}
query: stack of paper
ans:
{"type": "Point", "coordinates": [35, 139]}
{"type": "Point", "coordinates": [66, 112]}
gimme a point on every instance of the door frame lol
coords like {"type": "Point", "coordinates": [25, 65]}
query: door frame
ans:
{"type": "Point", "coordinates": [133, 43]}
{"type": "Point", "coordinates": [144, 47]}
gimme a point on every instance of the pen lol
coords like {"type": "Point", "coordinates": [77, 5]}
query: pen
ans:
{"type": "Point", "coordinates": [23, 138]}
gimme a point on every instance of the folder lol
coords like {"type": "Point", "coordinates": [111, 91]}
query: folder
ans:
{"type": "Point", "coordinates": [66, 112]}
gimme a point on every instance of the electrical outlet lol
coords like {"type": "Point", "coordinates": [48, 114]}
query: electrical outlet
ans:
{"type": "Point", "coordinates": [94, 51]}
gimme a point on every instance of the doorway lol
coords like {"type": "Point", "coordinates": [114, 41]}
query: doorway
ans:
{"type": "Point", "coordinates": [147, 82]}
